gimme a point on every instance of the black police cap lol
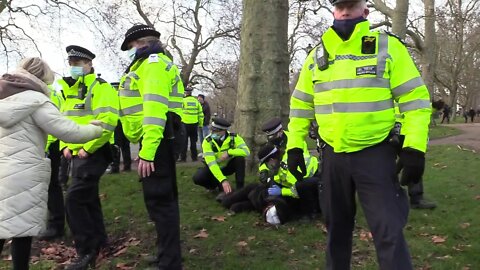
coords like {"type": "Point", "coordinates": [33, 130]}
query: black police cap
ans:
{"type": "Point", "coordinates": [138, 31]}
{"type": "Point", "coordinates": [220, 123]}
{"type": "Point", "coordinates": [79, 52]}
{"type": "Point", "coordinates": [334, 2]}
{"type": "Point", "coordinates": [266, 152]}
{"type": "Point", "coordinates": [272, 126]}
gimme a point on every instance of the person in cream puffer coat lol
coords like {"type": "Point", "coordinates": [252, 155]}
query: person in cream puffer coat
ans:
{"type": "Point", "coordinates": [27, 116]}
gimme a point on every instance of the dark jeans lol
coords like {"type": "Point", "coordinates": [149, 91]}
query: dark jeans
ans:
{"type": "Point", "coordinates": [370, 173]}
{"type": "Point", "coordinates": [20, 250]}
{"type": "Point", "coordinates": [161, 200]}
{"type": "Point", "coordinates": [56, 206]}
{"type": "Point", "coordinates": [204, 177]}
{"type": "Point", "coordinates": [192, 135]}
{"type": "Point", "coordinates": [84, 210]}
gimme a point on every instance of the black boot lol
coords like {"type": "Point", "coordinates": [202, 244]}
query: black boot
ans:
{"type": "Point", "coordinates": [423, 204]}
{"type": "Point", "coordinates": [83, 262]}
{"type": "Point", "coordinates": [51, 233]}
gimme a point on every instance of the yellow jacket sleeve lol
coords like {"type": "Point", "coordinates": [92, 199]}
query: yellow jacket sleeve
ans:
{"type": "Point", "coordinates": [302, 109]}
{"type": "Point", "coordinates": [155, 89]}
{"type": "Point", "coordinates": [105, 108]}
{"type": "Point", "coordinates": [241, 148]}
{"type": "Point", "coordinates": [411, 94]}
{"type": "Point", "coordinates": [211, 161]}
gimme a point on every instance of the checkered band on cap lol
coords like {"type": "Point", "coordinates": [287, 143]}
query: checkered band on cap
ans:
{"type": "Point", "coordinates": [274, 150]}
{"type": "Point", "coordinates": [73, 53]}
{"type": "Point", "coordinates": [274, 131]}
{"type": "Point", "coordinates": [220, 127]}
{"type": "Point", "coordinates": [140, 29]}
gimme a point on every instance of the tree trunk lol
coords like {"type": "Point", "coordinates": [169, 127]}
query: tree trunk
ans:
{"type": "Point", "coordinates": [263, 79]}
{"type": "Point", "coordinates": [399, 18]}
{"type": "Point", "coordinates": [429, 50]}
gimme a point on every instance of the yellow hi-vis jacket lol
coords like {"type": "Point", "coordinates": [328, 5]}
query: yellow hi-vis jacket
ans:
{"type": "Point", "coordinates": [58, 101]}
{"type": "Point", "coordinates": [150, 89]}
{"type": "Point", "coordinates": [233, 144]}
{"type": "Point", "coordinates": [352, 99]}
{"type": "Point", "coordinates": [192, 111]}
{"type": "Point", "coordinates": [285, 179]}
{"type": "Point", "coordinates": [98, 102]}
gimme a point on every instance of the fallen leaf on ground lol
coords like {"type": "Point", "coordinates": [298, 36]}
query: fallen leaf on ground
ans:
{"type": "Point", "coordinates": [219, 218]}
{"type": "Point", "coordinates": [250, 238]}
{"type": "Point", "coordinates": [120, 252]}
{"type": "Point", "coordinates": [202, 234]}
{"type": "Point", "coordinates": [465, 225]}
{"type": "Point", "coordinates": [242, 244]}
{"type": "Point", "coordinates": [444, 257]}
{"type": "Point", "coordinates": [123, 266]}
{"type": "Point", "coordinates": [477, 197]}
{"type": "Point", "coordinates": [438, 239]}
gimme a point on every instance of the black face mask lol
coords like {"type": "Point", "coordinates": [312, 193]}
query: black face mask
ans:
{"type": "Point", "coordinates": [277, 141]}
{"type": "Point", "coordinates": [344, 28]}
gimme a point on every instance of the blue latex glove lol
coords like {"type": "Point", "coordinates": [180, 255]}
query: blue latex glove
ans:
{"type": "Point", "coordinates": [275, 191]}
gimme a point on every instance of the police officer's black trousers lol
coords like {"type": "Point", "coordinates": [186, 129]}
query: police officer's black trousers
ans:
{"type": "Point", "coordinates": [64, 172]}
{"type": "Point", "coordinates": [124, 148]}
{"type": "Point", "coordinates": [56, 207]}
{"type": "Point", "coordinates": [20, 250]}
{"type": "Point", "coordinates": [84, 210]}
{"type": "Point", "coordinates": [161, 199]}
{"type": "Point", "coordinates": [308, 195]}
{"type": "Point", "coordinates": [204, 177]}
{"type": "Point", "coordinates": [192, 135]}
{"type": "Point", "coordinates": [371, 174]}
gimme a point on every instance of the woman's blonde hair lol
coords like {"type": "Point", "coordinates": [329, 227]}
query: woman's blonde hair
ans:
{"type": "Point", "coordinates": [38, 68]}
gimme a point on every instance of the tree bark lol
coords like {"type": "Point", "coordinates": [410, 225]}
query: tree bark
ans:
{"type": "Point", "coordinates": [429, 54]}
{"type": "Point", "coordinates": [263, 79]}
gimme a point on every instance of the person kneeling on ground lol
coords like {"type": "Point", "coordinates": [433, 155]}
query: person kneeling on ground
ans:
{"type": "Point", "coordinates": [224, 154]}
{"type": "Point", "coordinates": [302, 194]}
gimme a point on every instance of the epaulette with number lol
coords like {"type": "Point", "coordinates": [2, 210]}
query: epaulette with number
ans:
{"type": "Point", "coordinates": [395, 36]}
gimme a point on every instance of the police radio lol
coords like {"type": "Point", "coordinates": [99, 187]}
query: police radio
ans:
{"type": "Point", "coordinates": [322, 57]}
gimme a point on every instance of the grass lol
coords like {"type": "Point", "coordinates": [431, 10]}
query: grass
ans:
{"type": "Point", "coordinates": [442, 131]}
{"type": "Point", "coordinates": [243, 241]}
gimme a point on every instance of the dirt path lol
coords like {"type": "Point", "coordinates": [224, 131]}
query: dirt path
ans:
{"type": "Point", "coordinates": [470, 137]}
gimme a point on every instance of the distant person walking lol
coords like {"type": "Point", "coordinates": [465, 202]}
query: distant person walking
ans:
{"type": "Point", "coordinates": [471, 113]}
{"type": "Point", "coordinates": [446, 114]}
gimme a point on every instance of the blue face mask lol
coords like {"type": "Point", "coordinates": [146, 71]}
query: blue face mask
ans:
{"type": "Point", "coordinates": [131, 53]}
{"type": "Point", "coordinates": [344, 28]}
{"type": "Point", "coordinates": [76, 72]}
{"type": "Point", "coordinates": [215, 136]}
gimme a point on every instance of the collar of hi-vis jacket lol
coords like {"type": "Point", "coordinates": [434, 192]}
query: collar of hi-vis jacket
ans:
{"type": "Point", "coordinates": [332, 40]}
{"type": "Point", "coordinates": [88, 80]}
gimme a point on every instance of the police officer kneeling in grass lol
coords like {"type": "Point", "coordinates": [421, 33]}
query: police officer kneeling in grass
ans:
{"type": "Point", "coordinates": [348, 84]}
{"type": "Point", "coordinates": [224, 154]}
{"type": "Point", "coordinates": [301, 194]}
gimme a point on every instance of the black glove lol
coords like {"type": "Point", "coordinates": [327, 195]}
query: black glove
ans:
{"type": "Point", "coordinates": [413, 162]}
{"type": "Point", "coordinates": [295, 160]}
